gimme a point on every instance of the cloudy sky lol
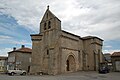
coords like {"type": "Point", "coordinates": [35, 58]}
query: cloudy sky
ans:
{"type": "Point", "coordinates": [20, 18]}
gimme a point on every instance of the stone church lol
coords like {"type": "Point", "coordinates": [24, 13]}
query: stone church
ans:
{"type": "Point", "coordinates": [55, 51]}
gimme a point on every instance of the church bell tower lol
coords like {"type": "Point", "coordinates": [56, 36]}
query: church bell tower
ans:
{"type": "Point", "coordinates": [45, 45]}
{"type": "Point", "coordinates": [49, 22]}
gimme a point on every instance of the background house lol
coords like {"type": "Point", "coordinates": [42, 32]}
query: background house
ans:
{"type": "Point", "coordinates": [3, 63]}
{"type": "Point", "coordinates": [20, 58]}
{"type": "Point", "coordinates": [116, 61]}
{"type": "Point", "coordinates": [107, 57]}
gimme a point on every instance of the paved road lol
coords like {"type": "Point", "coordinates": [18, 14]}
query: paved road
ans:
{"type": "Point", "coordinates": [70, 76]}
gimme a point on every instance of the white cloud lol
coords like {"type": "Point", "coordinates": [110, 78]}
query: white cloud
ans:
{"type": "Point", "coordinates": [82, 17]}
{"type": "Point", "coordinates": [14, 42]}
{"type": "Point", "coordinates": [110, 51]}
{"type": "Point", "coordinates": [9, 40]}
{"type": "Point", "coordinates": [4, 51]}
{"type": "Point", "coordinates": [108, 46]}
{"type": "Point", "coordinates": [2, 37]}
{"type": "Point", "coordinates": [26, 12]}
{"type": "Point", "coordinates": [23, 42]}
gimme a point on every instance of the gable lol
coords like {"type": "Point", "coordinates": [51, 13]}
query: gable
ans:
{"type": "Point", "coordinates": [48, 15]}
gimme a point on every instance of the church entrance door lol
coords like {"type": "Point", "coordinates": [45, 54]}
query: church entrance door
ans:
{"type": "Point", "coordinates": [70, 63]}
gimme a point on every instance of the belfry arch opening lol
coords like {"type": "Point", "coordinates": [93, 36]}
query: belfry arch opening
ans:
{"type": "Point", "coordinates": [70, 63]}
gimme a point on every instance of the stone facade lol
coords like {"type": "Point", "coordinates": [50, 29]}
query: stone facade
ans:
{"type": "Point", "coordinates": [116, 61]}
{"type": "Point", "coordinates": [20, 59]}
{"type": "Point", "coordinates": [55, 51]}
{"type": "Point", "coordinates": [3, 63]}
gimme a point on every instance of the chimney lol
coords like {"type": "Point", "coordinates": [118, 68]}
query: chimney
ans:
{"type": "Point", "coordinates": [14, 48]}
{"type": "Point", "coordinates": [23, 46]}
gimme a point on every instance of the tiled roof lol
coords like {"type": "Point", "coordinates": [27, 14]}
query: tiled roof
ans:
{"type": "Point", "coordinates": [25, 50]}
{"type": "Point", "coordinates": [115, 54]}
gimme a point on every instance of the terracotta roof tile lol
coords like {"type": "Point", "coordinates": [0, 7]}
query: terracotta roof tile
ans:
{"type": "Point", "coordinates": [116, 54]}
{"type": "Point", "coordinates": [27, 50]}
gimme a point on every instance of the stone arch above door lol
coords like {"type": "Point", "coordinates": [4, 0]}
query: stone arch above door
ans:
{"type": "Point", "coordinates": [71, 63]}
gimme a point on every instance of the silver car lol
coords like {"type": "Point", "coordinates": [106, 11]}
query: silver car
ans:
{"type": "Point", "coordinates": [12, 72]}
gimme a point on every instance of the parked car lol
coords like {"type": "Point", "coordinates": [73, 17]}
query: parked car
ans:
{"type": "Point", "coordinates": [12, 72]}
{"type": "Point", "coordinates": [103, 68]}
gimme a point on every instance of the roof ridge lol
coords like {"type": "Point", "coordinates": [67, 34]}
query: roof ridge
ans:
{"type": "Point", "coordinates": [24, 49]}
{"type": "Point", "coordinates": [116, 54]}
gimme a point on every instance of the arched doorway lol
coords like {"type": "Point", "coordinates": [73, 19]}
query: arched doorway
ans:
{"type": "Point", "coordinates": [70, 63]}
